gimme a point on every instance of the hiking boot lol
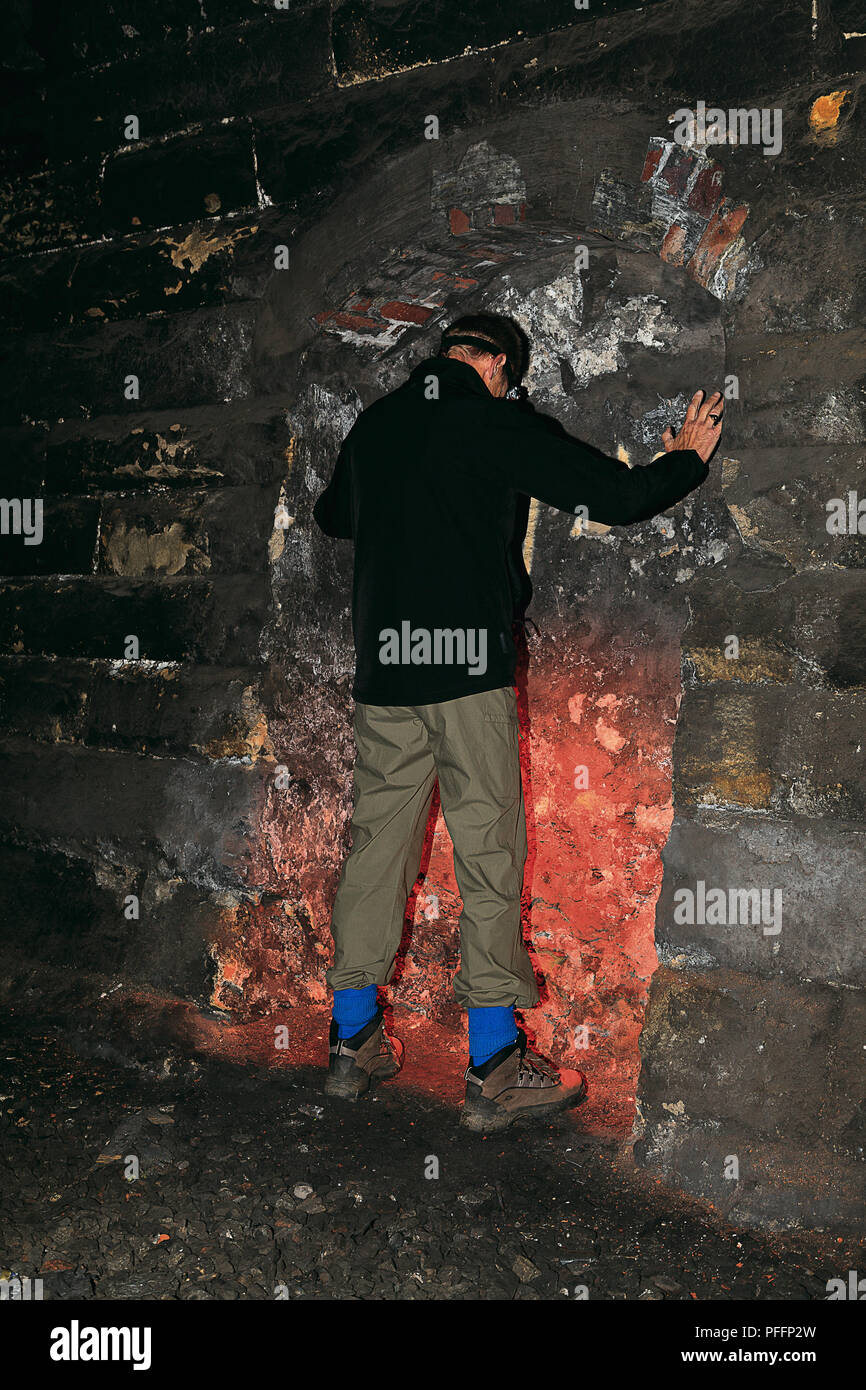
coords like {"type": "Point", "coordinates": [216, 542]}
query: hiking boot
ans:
{"type": "Point", "coordinates": [357, 1063]}
{"type": "Point", "coordinates": [517, 1083]}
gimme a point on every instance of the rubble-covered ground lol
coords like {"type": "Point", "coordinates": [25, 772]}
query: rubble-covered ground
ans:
{"type": "Point", "coordinates": [251, 1185]}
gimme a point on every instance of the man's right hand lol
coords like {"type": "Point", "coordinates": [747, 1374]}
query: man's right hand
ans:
{"type": "Point", "coordinates": [702, 428]}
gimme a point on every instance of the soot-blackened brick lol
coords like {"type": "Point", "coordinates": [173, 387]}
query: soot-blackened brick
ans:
{"type": "Point", "coordinates": [706, 190]}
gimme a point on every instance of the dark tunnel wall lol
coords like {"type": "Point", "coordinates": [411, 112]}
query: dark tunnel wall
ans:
{"type": "Point", "coordinates": [207, 777]}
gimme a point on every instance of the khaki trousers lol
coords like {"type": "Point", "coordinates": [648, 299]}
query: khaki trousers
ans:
{"type": "Point", "coordinates": [471, 746]}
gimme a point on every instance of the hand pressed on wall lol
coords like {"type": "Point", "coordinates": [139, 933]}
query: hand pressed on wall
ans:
{"type": "Point", "coordinates": [702, 428]}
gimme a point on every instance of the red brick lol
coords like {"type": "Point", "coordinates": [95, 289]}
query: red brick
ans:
{"type": "Point", "coordinates": [673, 246]}
{"type": "Point", "coordinates": [405, 313]}
{"type": "Point", "coordinates": [722, 228]}
{"type": "Point", "coordinates": [356, 321]}
{"type": "Point", "coordinates": [677, 172]}
{"type": "Point", "coordinates": [707, 190]}
{"type": "Point", "coordinates": [459, 222]}
{"type": "Point", "coordinates": [457, 282]}
{"type": "Point", "coordinates": [503, 214]}
{"type": "Point", "coordinates": [487, 253]}
{"type": "Point", "coordinates": [651, 163]}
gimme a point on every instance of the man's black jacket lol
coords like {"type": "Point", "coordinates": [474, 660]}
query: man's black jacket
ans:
{"type": "Point", "coordinates": [427, 484]}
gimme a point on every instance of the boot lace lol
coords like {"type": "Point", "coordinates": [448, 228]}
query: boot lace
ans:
{"type": "Point", "coordinates": [531, 1065]}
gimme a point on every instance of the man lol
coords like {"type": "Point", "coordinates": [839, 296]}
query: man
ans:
{"type": "Point", "coordinates": [427, 484]}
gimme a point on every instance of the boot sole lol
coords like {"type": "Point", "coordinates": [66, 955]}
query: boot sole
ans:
{"type": "Point", "coordinates": [485, 1115]}
{"type": "Point", "coordinates": [354, 1087]}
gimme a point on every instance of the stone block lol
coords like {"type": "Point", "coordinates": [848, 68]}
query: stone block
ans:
{"type": "Point", "coordinates": [217, 621]}
{"type": "Point", "coordinates": [766, 895]}
{"type": "Point", "coordinates": [776, 748]}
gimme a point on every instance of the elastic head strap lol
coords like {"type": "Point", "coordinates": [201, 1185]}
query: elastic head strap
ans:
{"type": "Point", "coordinates": [472, 340]}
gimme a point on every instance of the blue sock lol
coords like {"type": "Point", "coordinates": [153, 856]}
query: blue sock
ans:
{"type": "Point", "coordinates": [353, 1008]}
{"type": "Point", "coordinates": [490, 1030]}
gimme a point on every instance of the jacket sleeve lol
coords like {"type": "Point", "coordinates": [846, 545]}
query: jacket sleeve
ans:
{"type": "Point", "coordinates": [333, 510]}
{"type": "Point", "coordinates": [541, 459]}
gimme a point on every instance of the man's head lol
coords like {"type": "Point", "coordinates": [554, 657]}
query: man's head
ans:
{"type": "Point", "coordinates": [493, 345]}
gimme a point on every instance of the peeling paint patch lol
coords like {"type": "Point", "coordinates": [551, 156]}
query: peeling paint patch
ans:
{"type": "Point", "coordinates": [529, 540]}
{"type": "Point", "coordinates": [575, 707]}
{"type": "Point", "coordinates": [745, 527]}
{"type": "Point", "coordinates": [249, 740]}
{"type": "Point", "coordinates": [134, 550]}
{"type": "Point", "coordinates": [758, 662]}
{"type": "Point", "coordinates": [651, 424]}
{"type": "Point", "coordinates": [825, 112]}
{"type": "Point", "coordinates": [552, 317]}
{"type": "Point", "coordinates": [282, 521]}
{"type": "Point", "coordinates": [118, 665]}
{"type": "Point", "coordinates": [608, 737]}
{"type": "Point", "coordinates": [191, 254]}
